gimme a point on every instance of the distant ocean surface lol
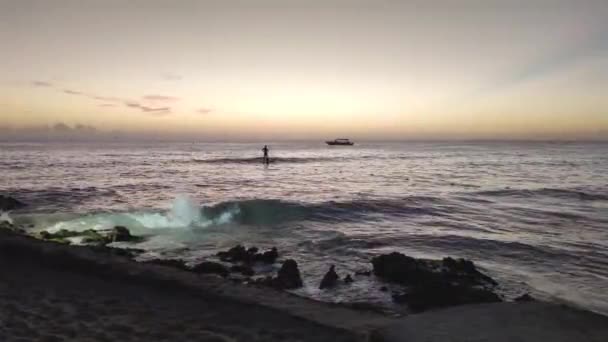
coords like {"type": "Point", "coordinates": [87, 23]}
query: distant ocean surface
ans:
{"type": "Point", "coordinates": [533, 215]}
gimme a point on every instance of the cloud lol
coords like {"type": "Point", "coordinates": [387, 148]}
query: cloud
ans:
{"type": "Point", "coordinates": [84, 128]}
{"type": "Point", "coordinates": [556, 61]}
{"type": "Point", "coordinates": [72, 92]}
{"type": "Point", "coordinates": [204, 111]}
{"type": "Point", "coordinates": [41, 84]}
{"type": "Point", "coordinates": [148, 109]}
{"type": "Point", "coordinates": [107, 98]}
{"type": "Point", "coordinates": [61, 127]}
{"type": "Point", "coordinates": [64, 128]}
{"type": "Point", "coordinates": [111, 101]}
{"type": "Point", "coordinates": [171, 76]}
{"type": "Point", "coordinates": [164, 98]}
{"type": "Point", "coordinates": [156, 110]}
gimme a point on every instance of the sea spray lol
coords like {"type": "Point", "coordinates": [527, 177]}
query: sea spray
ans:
{"type": "Point", "coordinates": [184, 213]}
{"type": "Point", "coordinates": [4, 217]}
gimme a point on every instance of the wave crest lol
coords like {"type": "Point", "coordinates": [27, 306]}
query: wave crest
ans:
{"type": "Point", "coordinates": [547, 192]}
{"type": "Point", "coordinates": [185, 213]}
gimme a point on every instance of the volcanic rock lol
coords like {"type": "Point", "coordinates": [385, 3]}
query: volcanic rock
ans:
{"type": "Point", "coordinates": [435, 283]}
{"type": "Point", "coordinates": [248, 256]}
{"type": "Point", "coordinates": [288, 276]}
{"type": "Point", "coordinates": [8, 203]}
{"type": "Point", "coordinates": [210, 267]}
{"type": "Point", "coordinates": [330, 279]}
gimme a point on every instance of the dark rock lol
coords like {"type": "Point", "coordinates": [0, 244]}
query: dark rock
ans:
{"type": "Point", "coordinates": [398, 268]}
{"type": "Point", "coordinates": [241, 254]}
{"type": "Point", "coordinates": [62, 235]}
{"type": "Point", "coordinates": [434, 283]}
{"type": "Point", "coordinates": [91, 236]}
{"type": "Point", "coordinates": [449, 262]}
{"type": "Point", "coordinates": [265, 281]}
{"type": "Point", "coordinates": [438, 295]}
{"type": "Point", "coordinates": [405, 270]}
{"type": "Point", "coordinates": [330, 279]}
{"type": "Point", "coordinates": [122, 234]}
{"type": "Point", "coordinates": [288, 276]}
{"type": "Point", "coordinates": [348, 279]}
{"type": "Point", "coordinates": [174, 263]}
{"type": "Point", "coordinates": [525, 298]}
{"type": "Point", "coordinates": [399, 297]}
{"type": "Point", "coordinates": [8, 203]}
{"type": "Point", "coordinates": [460, 265]}
{"type": "Point", "coordinates": [234, 254]}
{"type": "Point", "coordinates": [465, 270]}
{"type": "Point", "coordinates": [268, 257]}
{"type": "Point", "coordinates": [210, 267]}
{"type": "Point", "coordinates": [384, 289]}
{"type": "Point", "coordinates": [4, 225]}
{"type": "Point", "coordinates": [242, 269]}
{"type": "Point", "coordinates": [363, 273]}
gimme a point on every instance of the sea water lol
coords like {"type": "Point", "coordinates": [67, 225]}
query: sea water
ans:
{"type": "Point", "coordinates": [533, 215]}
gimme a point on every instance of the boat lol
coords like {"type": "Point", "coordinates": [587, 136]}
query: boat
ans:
{"type": "Point", "coordinates": [340, 141]}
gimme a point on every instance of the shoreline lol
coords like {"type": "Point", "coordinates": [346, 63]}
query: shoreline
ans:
{"type": "Point", "coordinates": [104, 264]}
{"type": "Point", "coordinates": [103, 282]}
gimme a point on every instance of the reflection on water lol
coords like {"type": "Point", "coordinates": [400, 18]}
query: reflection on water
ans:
{"type": "Point", "coordinates": [533, 214]}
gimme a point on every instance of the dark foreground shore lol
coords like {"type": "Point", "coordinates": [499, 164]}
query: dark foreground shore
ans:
{"type": "Point", "coordinates": [56, 292]}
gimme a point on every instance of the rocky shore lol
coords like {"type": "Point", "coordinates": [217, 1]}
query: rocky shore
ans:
{"type": "Point", "coordinates": [52, 291]}
{"type": "Point", "coordinates": [424, 284]}
{"type": "Point", "coordinates": [74, 286]}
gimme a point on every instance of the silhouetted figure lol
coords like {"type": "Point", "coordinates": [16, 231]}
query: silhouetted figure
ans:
{"type": "Point", "coordinates": [266, 159]}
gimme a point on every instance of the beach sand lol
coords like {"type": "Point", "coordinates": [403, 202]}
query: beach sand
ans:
{"type": "Point", "coordinates": [55, 292]}
{"type": "Point", "coordinates": [39, 304]}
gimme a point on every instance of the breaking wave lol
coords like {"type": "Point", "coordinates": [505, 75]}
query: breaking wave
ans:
{"type": "Point", "coordinates": [270, 211]}
{"type": "Point", "coordinates": [185, 213]}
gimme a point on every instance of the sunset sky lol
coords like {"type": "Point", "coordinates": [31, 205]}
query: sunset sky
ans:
{"type": "Point", "coordinates": [306, 69]}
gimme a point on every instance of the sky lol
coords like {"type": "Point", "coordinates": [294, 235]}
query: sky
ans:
{"type": "Point", "coordinates": [237, 70]}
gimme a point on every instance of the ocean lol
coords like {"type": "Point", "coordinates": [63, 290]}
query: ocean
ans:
{"type": "Point", "coordinates": [532, 215]}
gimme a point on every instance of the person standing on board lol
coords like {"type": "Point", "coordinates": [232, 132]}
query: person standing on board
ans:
{"type": "Point", "coordinates": [266, 159]}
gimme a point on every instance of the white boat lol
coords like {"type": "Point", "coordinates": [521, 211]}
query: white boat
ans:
{"type": "Point", "coordinates": [340, 141]}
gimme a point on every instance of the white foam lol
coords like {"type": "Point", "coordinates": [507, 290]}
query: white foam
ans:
{"type": "Point", "coordinates": [185, 211]}
{"type": "Point", "coordinates": [4, 217]}
{"type": "Point", "coordinates": [183, 214]}
{"type": "Point", "coordinates": [227, 216]}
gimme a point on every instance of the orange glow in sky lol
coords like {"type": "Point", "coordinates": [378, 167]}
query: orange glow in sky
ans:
{"type": "Point", "coordinates": [308, 70]}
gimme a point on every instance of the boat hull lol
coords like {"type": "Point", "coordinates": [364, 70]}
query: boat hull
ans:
{"type": "Point", "coordinates": [333, 143]}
